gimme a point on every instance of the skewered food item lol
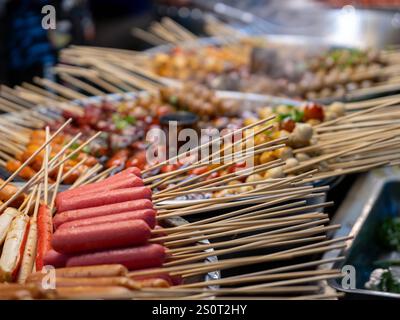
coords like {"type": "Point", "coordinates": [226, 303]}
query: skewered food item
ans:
{"type": "Point", "coordinates": [104, 228]}
{"type": "Point", "coordinates": [197, 64]}
{"type": "Point", "coordinates": [45, 233]}
{"type": "Point", "coordinates": [36, 139]}
{"type": "Point", "coordinates": [55, 258]}
{"type": "Point", "coordinates": [110, 270]}
{"type": "Point", "coordinates": [200, 100]}
{"type": "Point", "coordinates": [103, 198]}
{"type": "Point", "coordinates": [146, 256]}
{"type": "Point", "coordinates": [297, 74]}
{"type": "Point", "coordinates": [13, 248]}
{"type": "Point", "coordinates": [122, 123]}
{"type": "Point", "coordinates": [28, 258]}
{"type": "Point", "coordinates": [8, 192]}
{"type": "Point", "coordinates": [147, 215]}
{"type": "Point", "coordinates": [5, 221]}
{"type": "Point", "coordinates": [100, 236]}
{"type": "Point", "coordinates": [99, 211]}
{"type": "Point", "coordinates": [125, 179]}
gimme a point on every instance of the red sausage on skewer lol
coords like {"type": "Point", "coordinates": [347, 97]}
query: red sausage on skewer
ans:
{"type": "Point", "coordinates": [103, 198]}
{"type": "Point", "coordinates": [55, 259]}
{"type": "Point", "coordinates": [147, 215]}
{"type": "Point", "coordinates": [127, 181]}
{"type": "Point", "coordinates": [101, 236]}
{"type": "Point", "coordinates": [128, 173]}
{"type": "Point", "coordinates": [147, 256]}
{"type": "Point", "coordinates": [108, 209]}
{"type": "Point", "coordinates": [45, 232]}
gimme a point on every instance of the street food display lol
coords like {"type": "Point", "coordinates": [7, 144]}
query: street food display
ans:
{"type": "Point", "coordinates": [37, 138]}
{"type": "Point", "coordinates": [110, 239]}
{"type": "Point", "coordinates": [329, 75]}
{"type": "Point", "coordinates": [91, 205]}
{"type": "Point", "coordinates": [201, 63]}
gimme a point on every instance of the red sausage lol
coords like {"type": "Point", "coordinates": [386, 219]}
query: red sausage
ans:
{"type": "Point", "coordinates": [45, 232]}
{"type": "Point", "coordinates": [103, 198]}
{"type": "Point", "coordinates": [126, 182]}
{"type": "Point", "coordinates": [134, 170]}
{"type": "Point", "coordinates": [147, 215]}
{"type": "Point", "coordinates": [101, 236]}
{"type": "Point", "coordinates": [108, 209]}
{"type": "Point", "coordinates": [55, 259]}
{"type": "Point", "coordinates": [101, 184]}
{"type": "Point", "coordinates": [146, 256]}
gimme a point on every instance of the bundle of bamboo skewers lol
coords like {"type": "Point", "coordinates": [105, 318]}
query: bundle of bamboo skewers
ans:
{"type": "Point", "coordinates": [373, 125]}
{"type": "Point", "coordinates": [283, 226]}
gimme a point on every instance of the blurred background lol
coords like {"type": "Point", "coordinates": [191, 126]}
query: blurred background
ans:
{"type": "Point", "coordinates": [26, 50]}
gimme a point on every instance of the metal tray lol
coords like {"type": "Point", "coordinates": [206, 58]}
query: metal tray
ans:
{"type": "Point", "coordinates": [373, 197]}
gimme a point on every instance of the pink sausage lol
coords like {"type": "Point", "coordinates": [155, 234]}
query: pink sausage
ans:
{"type": "Point", "coordinates": [146, 256]}
{"type": "Point", "coordinates": [101, 184]}
{"type": "Point", "coordinates": [147, 215]}
{"type": "Point", "coordinates": [108, 209]}
{"type": "Point", "coordinates": [102, 198]}
{"type": "Point", "coordinates": [55, 259]}
{"type": "Point", "coordinates": [101, 236]}
{"type": "Point", "coordinates": [127, 182]}
{"type": "Point", "coordinates": [134, 170]}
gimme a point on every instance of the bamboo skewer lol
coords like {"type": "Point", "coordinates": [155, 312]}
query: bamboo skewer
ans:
{"type": "Point", "coordinates": [207, 144]}
{"type": "Point", "coordinates": [14, 174]}
{"type": "Point", "coordinates": [64, 91]}
{"type": "Point", "coordinates": [81, 85]}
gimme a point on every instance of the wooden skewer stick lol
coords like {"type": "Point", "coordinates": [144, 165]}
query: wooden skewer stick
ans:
{"type": "Point", "coordinates": [254, 193]}
{"type": "Point", "coordinates": [64, 91]}
{"type": "Point", "coordinates": [46, 94]}
{"type": "Point", "coordinates": [245, 247]}
{"type": "Point", "coordinates": [244, 210]}
{"type": "Point", "coordinates": [356, 114]}
{"type": "Point", "coordinates": [52, 165]}
{"type": "Point", "coordinates": [81, 85]}
{"type": "Point", "coordinates": [193, 250]}
{"type": "Point", "coordinates": [15, 173]}
{"type": "Point", "coordinates": [46, 168]}
{"type": "Point", "coordinates": [207, 144]}
{"type": "Point", "coordinates": [198, 268]}
{"type": "Point", "coordinates": [238, 203]}
{"type": "Point", "coordinates": [100, 176]}
{"type": "Point", "coordinates": [287, 254]}
{"type": "Point", "coordinates": [182, 238]}
{"type": "Point", "coordinates": [57, 184]}
{"type": "Point", "coordinates": [265, 188]}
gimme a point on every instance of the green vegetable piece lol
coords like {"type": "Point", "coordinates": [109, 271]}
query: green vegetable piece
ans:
{"type": "Point", "coordinates": [389, 233]}
{"type": "Point", "coordinates": [74, 146]}
{"type": "Point", "coordinates": [86, 149]}
{"type": "Point", "coordinates": [121, 124]}
{"type": "Point", "coordinates": [130, 119]}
